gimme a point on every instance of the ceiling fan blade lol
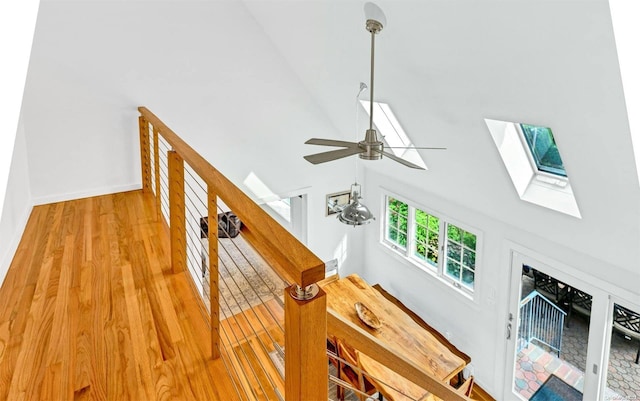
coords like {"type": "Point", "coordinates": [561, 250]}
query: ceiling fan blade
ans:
{"type": "Point", "coordinates": [330, 142]}
{"type": "Point", "coordinates": [413, 147]}
{"type": "Point", "coordinates": [402, 161]}
{"type": "Point", "coordinates": [332, 155]}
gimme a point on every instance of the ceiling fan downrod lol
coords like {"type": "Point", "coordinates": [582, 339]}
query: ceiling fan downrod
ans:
{"type": "Point", "coordinates": [373, 148]}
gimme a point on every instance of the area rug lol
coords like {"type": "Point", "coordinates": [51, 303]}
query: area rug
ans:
{"type": "Point", "coordinates": [555, 389]}
{"type": "Point", "coordinates": [245, 279]}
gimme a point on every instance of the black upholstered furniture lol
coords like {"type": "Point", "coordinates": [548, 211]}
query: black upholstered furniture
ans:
{"type": "Point", "coordinates": [627, 322]}
{"type": "Point", "coordinates": [555, 290]}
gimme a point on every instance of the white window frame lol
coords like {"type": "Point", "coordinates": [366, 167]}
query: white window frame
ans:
{"type": "Point", "coordinates": [408, 254]}
{"type": "Point", "coordinates": [555, 180]}
{"type": "Point", "coordinates": [532, 185]}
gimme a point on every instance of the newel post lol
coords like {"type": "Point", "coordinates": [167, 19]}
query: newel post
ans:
{"type": "Point", "coordinates": [145, 154]}
{"type": "Point", "coordinates": [212, 229]}
{"type": "Point", "coordinates": [306, 365]}
{"type": "Point", "coordinates": [177, 227]}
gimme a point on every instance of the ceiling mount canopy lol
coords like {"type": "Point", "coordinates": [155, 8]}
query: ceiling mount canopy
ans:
{"type": "Point", "coordinates": [371, 148]}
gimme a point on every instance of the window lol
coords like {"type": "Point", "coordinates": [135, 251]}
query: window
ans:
{"type": "Point", "coordinates": [543, 149]}
{"type": "Point", "coordinates": [426, 238]}
{"type": "Point", "coordinates": [532, 159]}
{"type": "Point", "coordinates": [431, 242]}
{"type": "Point", "coordinates": [461, 255]}
{"type": "Point", "coordinates": [397, 220]}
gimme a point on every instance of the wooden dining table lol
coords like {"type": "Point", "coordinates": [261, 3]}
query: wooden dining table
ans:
{"type": "Point", "coordinates": [399, 333]}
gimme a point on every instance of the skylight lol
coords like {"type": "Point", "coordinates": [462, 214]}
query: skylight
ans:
{"type": "Point", "coordinates": [543, 149]}
{"type": "Point", "coordinates": [532, 159]}
{"type": "Point", "coordinates": [394, 137]}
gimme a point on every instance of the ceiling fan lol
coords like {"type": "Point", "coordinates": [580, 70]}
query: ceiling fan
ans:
{"type": "Point", "coordinates": [371, 148]}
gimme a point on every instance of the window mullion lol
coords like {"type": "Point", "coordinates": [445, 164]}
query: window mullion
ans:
{"type": "Point", "coordinates": [442, 241]}
{"type": "Point", "coordinates": [411, 227]}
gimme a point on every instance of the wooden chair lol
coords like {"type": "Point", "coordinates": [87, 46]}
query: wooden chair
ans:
{"type": "Point", "coordinates": [466, 387]}
{"type": "Point", "coordinates": [351, 372]}
{"type": "Point", "coordinates": [628, 323]}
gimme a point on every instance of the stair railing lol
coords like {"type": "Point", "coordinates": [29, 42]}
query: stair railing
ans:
{"type": "Point", "coordinates": [305, 315]}
{"type": "Point", "coordinates": [542, 321]}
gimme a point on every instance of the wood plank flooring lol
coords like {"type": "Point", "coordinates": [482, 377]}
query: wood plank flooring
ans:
{"type": "Point", "coordinates": [89, 310]}
{"type": "Point", "coordinates": [248, 338]}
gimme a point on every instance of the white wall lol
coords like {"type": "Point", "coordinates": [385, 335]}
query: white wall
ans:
{"type": "Point", "coordinates": [17, 21]}
{"type": "Point", "coordinates": [476, 327]}
{"type": "Point", "coordinates": [205, 68]}
{"type": "Point", "coordinates": [17, 203]}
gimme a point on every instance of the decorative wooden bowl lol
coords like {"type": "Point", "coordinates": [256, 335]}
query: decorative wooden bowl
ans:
{"type": "Point", "coordinates": [367, 316]}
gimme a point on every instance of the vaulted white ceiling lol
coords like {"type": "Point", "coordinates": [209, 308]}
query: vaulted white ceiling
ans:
{"type": "Point", "coordinates": [444, 66]}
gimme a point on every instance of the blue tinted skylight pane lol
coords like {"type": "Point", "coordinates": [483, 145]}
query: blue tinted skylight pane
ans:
{"type": "Point", "coordinates": [543, 149]}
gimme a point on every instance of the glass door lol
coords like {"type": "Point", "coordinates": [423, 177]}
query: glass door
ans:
{"type": "Point", "coordinates": [554, 351]}
{"type": "Point", "coordinates": [623, 368]}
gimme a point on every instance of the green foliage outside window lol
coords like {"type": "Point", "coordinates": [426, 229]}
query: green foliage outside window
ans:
{"type": "Point", "coordinates": [398, 215]}
{"type": "Point", "coordinates": [427, 232]}
{"type": "Point", "coordinates": [461, 255]}
{"type": "Point", "coordinates": [459, 246]}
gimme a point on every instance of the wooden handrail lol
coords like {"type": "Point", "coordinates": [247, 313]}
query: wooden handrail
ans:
{"type": "Point", "coordinates": [295, 263]}
{"type": "Point", "coordinates": [368, 344]}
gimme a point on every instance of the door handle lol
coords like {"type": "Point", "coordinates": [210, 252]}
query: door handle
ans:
{"type": "Point", "coordinates": [508, 331]}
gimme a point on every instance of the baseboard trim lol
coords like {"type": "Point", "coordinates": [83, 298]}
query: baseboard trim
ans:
{"type": "Point", "coordinates": [43, 200]}
{"type": "Point", "coordinates": [12, 247]}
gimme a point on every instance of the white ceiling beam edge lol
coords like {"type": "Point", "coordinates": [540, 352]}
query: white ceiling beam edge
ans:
{"type": "Point", "coordinates": [624, 15]}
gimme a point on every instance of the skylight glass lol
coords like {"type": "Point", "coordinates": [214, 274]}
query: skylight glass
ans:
{"type": "Point", "coordinates": [543, 149]}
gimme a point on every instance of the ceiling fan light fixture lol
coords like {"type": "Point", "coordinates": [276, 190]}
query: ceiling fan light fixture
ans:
{"type": "Point", "coordinates": [355, 213]}
{"type": "Point", "coordinates": [375, 13]}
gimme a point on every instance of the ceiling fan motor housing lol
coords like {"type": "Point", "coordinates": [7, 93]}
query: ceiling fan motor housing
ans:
{"type": "Point", "coordinates": [372, 147]}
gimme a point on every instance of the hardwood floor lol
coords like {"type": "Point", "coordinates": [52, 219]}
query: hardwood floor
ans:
{"type": "Point", "coordinates": [248, 338]}
{"type": "Point", "coordinates": [90, 310]}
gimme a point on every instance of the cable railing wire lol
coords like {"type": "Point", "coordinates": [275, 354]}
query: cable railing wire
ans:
{"type": "Point", "coordinates": [249, 262]}
{"type": "Point", "coordinates": [197, 251]}
{"type": "Point", "coordinates": [162, 192]}
{"type": "Point", "coordinates": [249, 303]}
{"type": "Point", "coordinates": [244, 373]}
{"type": "Point", "coordinates": [237, 303]}
{"type": "Point", "coordinates": [272, 291]}
{"type": "Point", "coordinates": [237, 341]}
{"type": "Point", "coordinates": [255, 333]}
{"type": "Point", "coordinates": [255, 270]}
{"type": "Point", "coordinates": [246, 280]}
{"type": "Point", "coordinates": [244, 334]}
{"type": "Point", "coordinates": [188, 169]}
